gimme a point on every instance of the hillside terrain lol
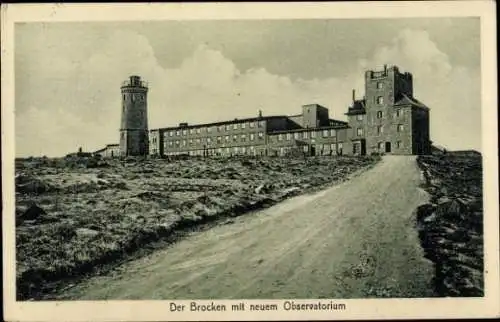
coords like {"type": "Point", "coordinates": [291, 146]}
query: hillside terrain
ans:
{"type": "Point", "coordinates": [77, 217]}
{"type": "Point", "coordinates": [451, 225]}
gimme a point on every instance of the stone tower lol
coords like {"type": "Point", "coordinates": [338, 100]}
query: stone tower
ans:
{"type": "Point", "coordinates": [134, 124]}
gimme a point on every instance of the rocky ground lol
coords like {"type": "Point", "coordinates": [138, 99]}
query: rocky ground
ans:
{"type": "Point", "coordinates": [451, 225]}
{"type": "Point", "coordinates": [79, 216]}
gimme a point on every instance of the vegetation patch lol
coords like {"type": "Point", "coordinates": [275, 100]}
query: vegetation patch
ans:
{"type": "Point", "coordinates": [451, 226]}
{"type": "Point", "coordinates": [78, 217]}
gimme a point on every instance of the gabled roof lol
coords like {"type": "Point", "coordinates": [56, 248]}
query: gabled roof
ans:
{"type": "Point", "coordinates": [358, 107]}
{"type": "Point", "coordinates": [189, 126]}
{"type": "Point", "coordinates": [337, 122]}
{"type": "Point", "coordinates": [406, 100]}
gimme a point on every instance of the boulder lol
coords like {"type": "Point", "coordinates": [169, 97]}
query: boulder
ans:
{"type": "Point", "coordinates": [86, 232]}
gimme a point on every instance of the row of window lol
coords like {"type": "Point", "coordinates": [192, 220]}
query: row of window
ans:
{"type": "Point", "coordinates": [220, 128]}
{"type": "Point", "coordinates": [306, 135]}
{"type": "Point", "coordinates": [380, 129]}
{"type": "Point", "coordinates": [219, 151]}
{"type": "Point", "coordinates": [218, 139]}
{"type": "Point", "coordinates": [381, 145]}
{"type": "Point", "coordinates": [133, 97]}
{"type": "Point", "coordinates": [380, 114]}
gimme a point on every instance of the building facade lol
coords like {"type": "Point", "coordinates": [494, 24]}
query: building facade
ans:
{"type": "Point", "coordinates": [388, 119]}
{"type": "Point", "coordinates": [109, 151]}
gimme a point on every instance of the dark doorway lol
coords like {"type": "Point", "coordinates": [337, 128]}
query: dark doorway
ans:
{"type": "Point", "coordinates": [387, 147]}
{"type": "Point", "coordinates": [313, 150]}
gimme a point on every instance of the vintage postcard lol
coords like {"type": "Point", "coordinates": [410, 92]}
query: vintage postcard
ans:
{"type": "Point", "coordinates": [250, 161]}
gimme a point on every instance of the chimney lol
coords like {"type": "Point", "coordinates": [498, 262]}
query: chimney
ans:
{"type": "Point", "coordinates": [385, 68]}
{"type": "Point", "coordinates": [260, 113]}
{"type": "Point", "coordinates": [353, 95]}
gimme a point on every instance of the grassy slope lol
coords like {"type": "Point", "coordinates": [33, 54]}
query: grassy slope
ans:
{"type": "Point", "coordinates": [75, 217]}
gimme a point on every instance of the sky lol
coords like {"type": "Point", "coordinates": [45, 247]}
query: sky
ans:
{"type": "Point", "coordinates": [68, 74]}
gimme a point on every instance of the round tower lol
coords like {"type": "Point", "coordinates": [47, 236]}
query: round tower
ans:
{"type": "Point", "coordinates": [134, 124]}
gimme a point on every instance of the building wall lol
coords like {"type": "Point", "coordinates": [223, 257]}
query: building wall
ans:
{"type": "Point", "coordinates": [386, 124]}
{"type": "Point", "coordinates": [420, 131]}
{"type": "Point", "coordinates": [155, 145]}
{"type": "Point", "coordinates": [134, 122]}
{"type": "Point", "coordinates": [314, 115]}
{"type": "Point", "coordinates": [110, 151]}
{"type": "Point", "coordinates": [319, 141]}
{"type": "Point", "coordinates": [216, 139]}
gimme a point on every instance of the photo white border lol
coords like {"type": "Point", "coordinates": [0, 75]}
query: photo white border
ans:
{"type": "Point", "coordinates": [158, 310]}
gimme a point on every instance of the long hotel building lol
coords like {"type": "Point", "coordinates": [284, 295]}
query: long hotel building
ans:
{"type": "Point", "coordinates": [388, 119]}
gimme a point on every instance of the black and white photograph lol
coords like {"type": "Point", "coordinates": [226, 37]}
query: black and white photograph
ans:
{"type": "Point", "coordinates": [238, 166]}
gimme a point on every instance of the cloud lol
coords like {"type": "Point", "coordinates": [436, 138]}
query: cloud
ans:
{"type": "Point", "coordinates": [66, 100]}
{"type": "Point", "coordinates": [452, 92]}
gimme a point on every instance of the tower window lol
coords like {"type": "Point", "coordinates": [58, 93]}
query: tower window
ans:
{"type": "Point", "coordinates": [380, 129]}
{"type": "Point", "coordinates": [380, 100]}
{"type": "Point", "coordinates": [398, 113]}
{"type": "Point", "coordinates": [359, 117]}
{"type": "Point", "coordinates": [400, 128]}
{"type": "Point", "coordinates": [359, 131]}
{"type": "Point", "coordinates": [380, 114]}
{"type": "Point", "coordinates": [380, 85]}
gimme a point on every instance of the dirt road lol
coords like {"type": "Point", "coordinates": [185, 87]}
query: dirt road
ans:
{"type": "Point", "coordinates": [354, 240]}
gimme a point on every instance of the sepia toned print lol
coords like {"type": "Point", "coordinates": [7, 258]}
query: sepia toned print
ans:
{"type": "Point", "coordinates": [258, 167]}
